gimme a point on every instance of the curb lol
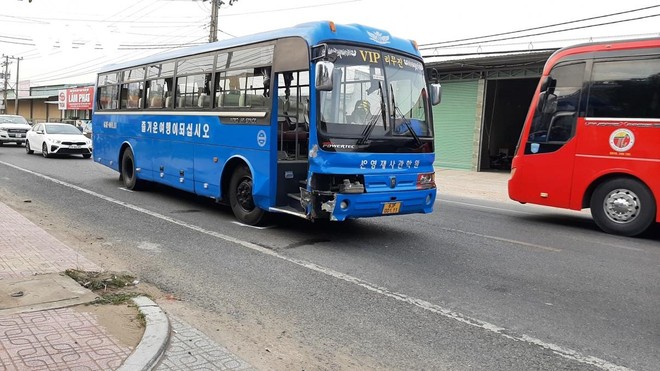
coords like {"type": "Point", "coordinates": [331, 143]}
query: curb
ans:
{"type": "Point", "coordinates": [154, 340]}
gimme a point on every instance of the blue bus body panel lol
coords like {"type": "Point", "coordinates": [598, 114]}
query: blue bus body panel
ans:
{"type": "Point", "coordinates": [388, 177]}
{"type": "Point", "coordinates": [168, 147]}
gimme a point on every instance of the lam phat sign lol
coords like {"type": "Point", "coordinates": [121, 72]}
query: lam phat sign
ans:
{"type": "Point", "coordinates": [76, 99]}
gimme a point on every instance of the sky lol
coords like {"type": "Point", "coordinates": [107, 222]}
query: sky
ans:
{"type": "Point", "coordinates": [67, 41]}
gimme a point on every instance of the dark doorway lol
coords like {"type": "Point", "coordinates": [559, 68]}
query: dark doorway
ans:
{"type": "Point", "coordinates": [506, 105]}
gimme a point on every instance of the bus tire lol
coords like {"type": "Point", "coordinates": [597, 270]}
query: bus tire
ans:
{"type": "Point", "coordinates": [623, 206]}
{"type": "Point", "coordinates": [128, 172]}
{"type": "Point", "coordinates": [240, 197]}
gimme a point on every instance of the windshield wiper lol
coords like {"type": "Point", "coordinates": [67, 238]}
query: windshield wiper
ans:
{"type": "Point", "coordinates": [374, 120]}
{"type": "Point", "coordinates": [406, 122]}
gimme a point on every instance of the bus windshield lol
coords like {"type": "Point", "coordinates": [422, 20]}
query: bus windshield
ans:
{"type": "Point", "coordinates": [366, 82]}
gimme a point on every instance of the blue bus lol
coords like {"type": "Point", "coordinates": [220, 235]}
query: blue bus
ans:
{"type": "Point", "coordinates": [320, 120]}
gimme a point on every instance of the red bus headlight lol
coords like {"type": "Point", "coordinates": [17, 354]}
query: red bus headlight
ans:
{"type": "Point", "coordinates": [425, 180]}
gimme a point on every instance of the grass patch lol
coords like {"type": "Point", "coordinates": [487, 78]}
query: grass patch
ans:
{"type": "Point", "coordinates": [105, 281]}
{"type": "Point", "coordinates": [111, 288]}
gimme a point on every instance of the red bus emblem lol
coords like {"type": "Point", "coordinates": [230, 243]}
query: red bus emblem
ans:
{"type": "Point", "coordinates": [622, 140]}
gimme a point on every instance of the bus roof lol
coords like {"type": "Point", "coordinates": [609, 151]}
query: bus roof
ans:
{"type": "Point", "coordinates": [601, 46]}
{"type": "Point", "coordinates": [312, 32]}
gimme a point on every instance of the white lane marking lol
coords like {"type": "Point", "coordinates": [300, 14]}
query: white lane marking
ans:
{"type": "Point", "coordinates": [567, 212]}
{"type": "Point", "coordinates": [252, 226]}
{"type": "Point", "coordinates": [423, 304]}
{"type": "Point", "coordinates": [125, 189]}
{"type": "Point", "coordinates": [482, 206]}
{"type": "Point", "coordinates": [515, 242]}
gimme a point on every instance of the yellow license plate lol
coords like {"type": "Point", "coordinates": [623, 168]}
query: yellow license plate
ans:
{"type": "Point", "coordinates": [391, 208]}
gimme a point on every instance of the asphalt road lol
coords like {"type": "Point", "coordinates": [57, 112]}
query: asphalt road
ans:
{"type": "Point", "coordinates": [477, 285]}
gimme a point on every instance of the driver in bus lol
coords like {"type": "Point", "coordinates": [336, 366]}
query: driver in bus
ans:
{"type": "Point", "coordinates": [361, 112]}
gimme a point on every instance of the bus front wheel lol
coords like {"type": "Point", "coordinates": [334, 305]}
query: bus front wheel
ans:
{"type": "Point", "coordinates": [623, 206]}
{"type": "Point", "coordinates": [128, 173]}
{"type": "Point", "coordinates": [240, 197]}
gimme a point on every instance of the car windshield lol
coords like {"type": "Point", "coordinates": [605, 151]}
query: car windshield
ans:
{"type": "Point", "coordinates": [365, 80]}
{"type": "Point", "coordinates": [13, 120]}
{"type": "Point", "coordinates": [61, 129]}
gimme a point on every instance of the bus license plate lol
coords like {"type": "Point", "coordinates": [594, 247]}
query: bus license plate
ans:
{"type": "Point", "coordinates": [391, 208]}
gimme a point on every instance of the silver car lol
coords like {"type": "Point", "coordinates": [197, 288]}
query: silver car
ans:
{"type": "Point", "coordinates": [13, 129]}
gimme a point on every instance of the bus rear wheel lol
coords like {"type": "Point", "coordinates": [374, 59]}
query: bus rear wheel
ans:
{"type": "Point", "coordinates": [623, 206]}
{"type": "Point", "coordinates": [128, 172]}
{"type": "Point", "coordinates": [240, 197]}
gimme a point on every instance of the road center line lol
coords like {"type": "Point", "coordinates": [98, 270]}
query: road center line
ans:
{"type": "Point", "coordinates": [447, 313]}
{"type": "Point", "coordinates": [515, 242]}
{"type": "Point", "coordinates": [482, 206]}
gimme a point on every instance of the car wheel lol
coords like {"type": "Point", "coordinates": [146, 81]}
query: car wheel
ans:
{"type": "Point", "coordinates": [623, 206]}
{"type": "Point", "coordinates": [44, 150]}
{"type": "Point", "coordinates": [128, 171]}
{"type": "Point", "coordinates": [241, 200]}
{"type": "Point", "coordinates": [28, 150]}
{"type": "Point", "coordinates": [87, 155]}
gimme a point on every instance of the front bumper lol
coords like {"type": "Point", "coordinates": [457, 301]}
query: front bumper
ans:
{"type": "Point", "coordinates": [64, 149]}
{"type": "Point", "coordinates": [362, 205]}
{"type": "Point", "coordinates": [11, 138]}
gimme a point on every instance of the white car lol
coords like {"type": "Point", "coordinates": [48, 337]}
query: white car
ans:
{"type": "Point", "coordinates": [52, 138]}
{"type": "Point", "coordinates": [13, 129]}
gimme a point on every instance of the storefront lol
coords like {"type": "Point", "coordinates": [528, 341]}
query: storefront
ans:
{"type": "Point", "coordinates": [484, 104]}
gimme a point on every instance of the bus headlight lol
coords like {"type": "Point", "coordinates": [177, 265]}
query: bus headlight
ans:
{"type": "Point", "coordinates": [425, 180]}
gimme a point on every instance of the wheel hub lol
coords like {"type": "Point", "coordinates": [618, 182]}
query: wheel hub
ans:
{"type": "Point", "coordinates": [622, 206]}
{"type": "Point", "coordinates": [244, 195]}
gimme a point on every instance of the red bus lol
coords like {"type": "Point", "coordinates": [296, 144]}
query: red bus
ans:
{"type": "Point", "coordinates": [591, 138]}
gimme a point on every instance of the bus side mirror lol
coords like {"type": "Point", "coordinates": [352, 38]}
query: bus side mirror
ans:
{"type": "Point", "coordinates": [547, 102]}
{"type": "Point", "coordinates": [324, 75]}
{"type": "Point", "coordinates": [547, 98]}
{"type": "Point", "coordinates": [436, 94]}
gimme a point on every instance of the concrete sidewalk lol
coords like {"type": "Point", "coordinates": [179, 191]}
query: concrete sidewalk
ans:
{"type": "Point", "coordinates": [44, 324]}
{"type": "Point", "coordinates": [490, 185]}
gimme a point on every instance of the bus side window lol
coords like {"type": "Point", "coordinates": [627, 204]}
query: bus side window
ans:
{"type": "Point", "coordinates": [625, 89]}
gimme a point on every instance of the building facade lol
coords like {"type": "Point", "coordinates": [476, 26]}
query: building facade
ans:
{"type": "Point", "coordinates": [484, 104]}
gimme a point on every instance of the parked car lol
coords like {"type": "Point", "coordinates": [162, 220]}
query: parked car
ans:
{"type": "Point", "coordinates": [13, 129]}
{"type": "Point", "coordinates": [51, 139]}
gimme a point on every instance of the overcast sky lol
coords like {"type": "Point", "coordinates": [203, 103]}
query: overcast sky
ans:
{"type": "Point", "coordinates": [66, 41]}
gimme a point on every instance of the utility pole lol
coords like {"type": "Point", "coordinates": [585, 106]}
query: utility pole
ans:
{"type": "Point", "coordinates": [5, 76]}
{"type": "Point", "coordinates": [18, 62]}
{"type": "Point", "coordinates": [213, 36]}
{"type": "Point", "coordinates": [215, 6]}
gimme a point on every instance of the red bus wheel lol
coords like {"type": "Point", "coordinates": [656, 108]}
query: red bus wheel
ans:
{"type": "Point", "coordinates": [623, 206]}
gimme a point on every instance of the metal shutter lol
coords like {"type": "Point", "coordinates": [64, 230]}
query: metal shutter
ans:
{"type": "Point", "coordinates": [454, 120]}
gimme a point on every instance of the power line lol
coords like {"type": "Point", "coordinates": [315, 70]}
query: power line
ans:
{"type": "Point", "coordinates": [538, 28]}
{"type": "Point", "coordinates": [552, 32]}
